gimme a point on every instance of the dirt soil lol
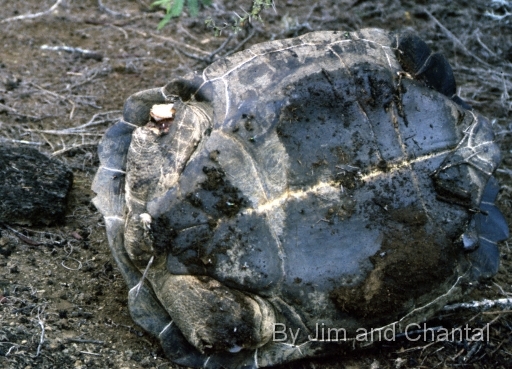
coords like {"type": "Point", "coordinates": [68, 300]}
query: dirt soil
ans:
{"type": "Point", "coordinates": [62, 299]}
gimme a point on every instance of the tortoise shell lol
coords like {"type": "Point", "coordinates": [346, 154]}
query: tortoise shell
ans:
{"type": "Point", "coordinates": [332, 180]}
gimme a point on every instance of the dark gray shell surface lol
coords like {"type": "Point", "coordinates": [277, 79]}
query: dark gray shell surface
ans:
{"type": "Point", "coordinates": [330, 180]}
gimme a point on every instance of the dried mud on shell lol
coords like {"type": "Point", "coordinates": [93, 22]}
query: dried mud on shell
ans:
{"type": "Point", "coordinates": [427, 268]}
{"type": "Point", "coordinates": [63, 302]}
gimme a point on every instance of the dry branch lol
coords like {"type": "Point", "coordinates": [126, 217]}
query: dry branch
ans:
{"type": "Point", "coordinates": [103, 8]}
{"type": "Point", "coordinates": [172, 41]}
{"type": "Point", "coordinates": [455, 40]}
{"type": "Point", "coordinates": [213, 55]}
{"type": "Point", "coordinates": [31, 16]}
{"type": "Point", "coordinates": [21, 115]}
{"type": "Point", "coordinates": [84, 53]}
{"type": "Point", "coordinates": [481, 305]}
{"type": "Point", "coordinates": [82, 129]}
{"type": "Point", "coordinates": [241, 43]}
{"type": "Point", "coordinates": [81, 340]}
{"type": "Point", "coordinates": [23, 142]}
{"type": "Point", "coordinates": [41, 339]}
{"type": "Point", "coordinates": [20, 235]}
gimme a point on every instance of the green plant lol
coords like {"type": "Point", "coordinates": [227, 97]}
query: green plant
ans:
{"type": "Point", "coordinates": [241, 21]}
{"type": "Point", "coordinates": [174, 8]}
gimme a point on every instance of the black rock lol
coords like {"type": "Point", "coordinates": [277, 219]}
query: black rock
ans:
{"type": "Point", "coordinates": [33, 187]}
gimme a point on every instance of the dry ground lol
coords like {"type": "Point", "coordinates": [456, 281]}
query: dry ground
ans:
{"type": "Point", "coordinates": [63, 301]}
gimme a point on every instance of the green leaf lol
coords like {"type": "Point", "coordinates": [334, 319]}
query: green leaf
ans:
{"type": "Point", "coordinates": [164, 21]}
{"type": "Point", "coordinates": [193, 7]}
{"type": "Point", "coordinates": [177, 8]}
{"type": "Point", "coordinates": [162, 3]}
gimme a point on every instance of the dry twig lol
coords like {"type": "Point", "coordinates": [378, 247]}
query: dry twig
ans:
{"type": "Point", "coordinates": [81, 340]}
{"type": "Point", "coordinates": [241, 43]}
{"type": "Point", "coordinates": [455, 40]}
{"type": "Point", "coordinates": [213, 55]}
{"type": "Point", "coordinates": [82, 129]}
{"type": "Point", "coordinates": [103, 8]}
{"type": "Point", "coordinates": [84, 53]}
{"type": "Point", "coordinates": [31, 16]}
{"type": "Point", "coordinates": [21, 115]}
{"type": "Point", "coordinates": [23, 142]}
{"type": "Point", "coordinates": [21, 236]}
{"type": "Point", "coordinates": [41, 339]}
{"type": "Point", "coordinates": [485, 304]}
{"type": "Point", "coordinates": [172, 41]}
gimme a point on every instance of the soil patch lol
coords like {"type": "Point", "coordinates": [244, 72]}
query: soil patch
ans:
{"type": "Point", "coordinates": [63, 302]}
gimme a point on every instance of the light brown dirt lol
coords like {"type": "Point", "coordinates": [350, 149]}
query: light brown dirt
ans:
{"type": "Point", "coordinates": [63, 302]}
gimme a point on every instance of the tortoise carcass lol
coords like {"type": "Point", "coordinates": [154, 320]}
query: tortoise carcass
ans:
{"type": "Point", "coordinates": [333, 180]}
